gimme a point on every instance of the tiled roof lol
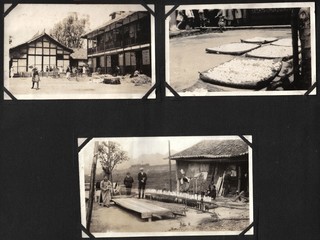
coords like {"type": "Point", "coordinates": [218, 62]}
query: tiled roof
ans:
{"type": "Point", "coordinates": [116, 19]}
{"type": "Point", "coordinates": [213, 149]}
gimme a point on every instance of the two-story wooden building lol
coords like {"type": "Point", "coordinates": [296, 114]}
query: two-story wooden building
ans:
{"type": "Point", "coordinates": [122, 42]}
{"type": "Point", "coordinates": [40, 51]}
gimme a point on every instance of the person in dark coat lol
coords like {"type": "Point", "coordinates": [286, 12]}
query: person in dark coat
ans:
{"type": "Point", "coordinates": [212, 192]}
{"type": "Point", "coordinates": [128, 180]}
{"type": "Point", "coordinates": [35, 78]}
{"type": "Point", "coordinates": [142, 179]}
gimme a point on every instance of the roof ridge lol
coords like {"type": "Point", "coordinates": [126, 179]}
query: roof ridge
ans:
{"type": "Point", "coordinates": [214, 149]}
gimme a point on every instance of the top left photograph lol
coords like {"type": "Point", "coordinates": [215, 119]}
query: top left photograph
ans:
{"type": "Point", "coordinates": [78, 51]}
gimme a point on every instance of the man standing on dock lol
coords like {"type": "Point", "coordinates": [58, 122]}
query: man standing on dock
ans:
{"type": "Point", "coordinates": [142, 179]}
{"type": "Point", "coordinates": [128, 180]}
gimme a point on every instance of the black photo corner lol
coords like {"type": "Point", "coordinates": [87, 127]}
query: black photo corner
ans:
{"type": "Point", "coordinates": [271, 154]}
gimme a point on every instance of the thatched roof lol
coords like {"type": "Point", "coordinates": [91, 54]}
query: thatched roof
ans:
{"type": "Point", "coordinates": [213, 149]}
{"type": "Point", "coordinates": [79, 54]}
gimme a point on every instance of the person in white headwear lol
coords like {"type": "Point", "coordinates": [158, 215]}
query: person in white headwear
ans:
{"type": "Point", "coordinates": [35, 78]}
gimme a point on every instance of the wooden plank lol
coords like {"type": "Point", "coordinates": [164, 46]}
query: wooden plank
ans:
{"type": "Point", "coordinates": [146, 209]}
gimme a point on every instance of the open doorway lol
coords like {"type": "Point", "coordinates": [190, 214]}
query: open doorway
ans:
{"type": "Point", "coordinates": [114, 63]}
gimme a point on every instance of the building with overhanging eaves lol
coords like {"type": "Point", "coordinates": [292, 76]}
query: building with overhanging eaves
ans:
{"type": "Point", "coordinates": [123, 41]}
{"type": "Point", "coordinates": [40, 51]}
{"type": "Point", "coordinates": [223, 162]}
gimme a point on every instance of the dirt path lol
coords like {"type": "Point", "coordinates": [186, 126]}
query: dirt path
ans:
{"type": "Point", "coordinates": [82, 88]}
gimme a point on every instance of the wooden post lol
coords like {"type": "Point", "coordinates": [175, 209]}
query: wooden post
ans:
{"type": "Point", "coordinates": [196, 185]}
{"type": "Point", "coordinates": [109, 170]}
{"type": "Point", "coordinates": [92, 185]}
{"type": "Point", "coordinates": [239, 179]}
{"type": "Point", "coordinates": [305, 39]}
{"type": "Point", "coordinates": [295, 50]}
{"type": "Point", "coordinates": [170, 178]}
{"type": "Point", "coordinates": [177, 178]}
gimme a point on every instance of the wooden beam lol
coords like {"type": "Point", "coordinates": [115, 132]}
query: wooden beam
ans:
{"type": "Point", "coordinates": [92, 185]}
{"type": "Point", "coordinates": [170, 184]}
{"type": "Point", "coordinates": [295, 47]}
{"type": "Point", "coordinates": [239, 178]}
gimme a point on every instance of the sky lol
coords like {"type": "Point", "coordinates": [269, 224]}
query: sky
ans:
{"type": "Point", "coordinates": [25, 20]}
{"type": "Point", "coordinates": [137, 146]}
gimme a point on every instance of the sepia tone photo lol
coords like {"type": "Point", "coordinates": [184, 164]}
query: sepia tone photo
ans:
{"type": "Point", "coordinates": [246, 49]}
{"type": "Point", "coordinates": [165, 186]}
{"type": "Point", "coordinates": [78, 51]}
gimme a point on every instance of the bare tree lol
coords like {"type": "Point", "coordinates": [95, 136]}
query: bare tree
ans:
{"type": "Point", "coordinates": [110, 155]}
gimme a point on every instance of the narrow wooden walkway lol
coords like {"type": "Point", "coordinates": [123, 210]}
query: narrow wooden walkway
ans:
{"type": "Point", "coordinates": [147, 210]}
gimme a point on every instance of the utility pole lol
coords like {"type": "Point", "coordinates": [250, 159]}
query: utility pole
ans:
{"type": "Point", "coordinates": [170, 167]}
{"type": "Point", "coordinates": [92, 184]}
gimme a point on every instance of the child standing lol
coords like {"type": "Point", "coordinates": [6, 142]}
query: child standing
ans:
{"type": "Point", "coordinates": [35, 78]}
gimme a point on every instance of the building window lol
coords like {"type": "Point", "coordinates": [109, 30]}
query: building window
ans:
{"type": "Point", "coordinates": [53, 51]}
{"type": "Point", "coordinates": [46, 44]}
{"type": "Point", "coordinates": [121, 59]}
{"type": "Point", "coordinates": [59, 57]}
{"type": "Point", "coordinates": [46, 62]}
{"type": "Point", "coordinates": [133, 58]}
{"type": "Point", "coordinates": [38, 59]}
{"type": "Point", "coordinates": [65, 56]}
{"type": "Point", "coordinates": [53, 60]}
{"type": "Point", "coordinates": [145, 57]}
{"type": "Point", "coordinates": [46, 51]}
{"type": "Point", "coordinates": [20, 65]}
{"type": "Point", "coordinates": [109, 61]}
{"type": "Point", "coordinates": [39, 51]}
{"type": "Point", "coordinates": [31, 61]}
{"type": "Point", "coordinates": [127, 58]}
{"type": "Point", "coordinates": [102, 61]}
{"type": "Point", "coordinates": [15, 65]}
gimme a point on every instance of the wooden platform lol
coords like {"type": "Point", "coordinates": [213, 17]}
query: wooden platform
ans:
{"type": "Point", "coordinates": [146, 209]}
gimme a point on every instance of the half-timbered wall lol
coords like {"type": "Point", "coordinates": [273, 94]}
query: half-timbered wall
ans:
{"type": "Point", "coordinates": [41, 53]}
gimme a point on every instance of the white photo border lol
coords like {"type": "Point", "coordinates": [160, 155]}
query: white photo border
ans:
{"type": "Point", "coordinates": [240, 92]}
{"type": "Point", "coordinates": [157, 234]}
{"type": "Point", "coordinates": [133, 6]}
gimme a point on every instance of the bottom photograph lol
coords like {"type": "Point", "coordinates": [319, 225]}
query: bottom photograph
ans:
{"type": "Point", "coordinates": [166, 186]}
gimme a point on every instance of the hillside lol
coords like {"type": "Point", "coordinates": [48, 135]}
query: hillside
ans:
{"type": "Point", "coordinates": [158, 175]}
{"type": "Point", "coordinates": [151, 159]}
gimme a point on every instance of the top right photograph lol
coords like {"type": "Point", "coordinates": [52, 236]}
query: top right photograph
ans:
{"type": "Point", "coordinates": [241, 49]}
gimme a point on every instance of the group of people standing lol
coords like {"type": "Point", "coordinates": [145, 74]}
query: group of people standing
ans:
{"type": "Point", "coordinates": [142, 181]}
{"type": "Point", "coordinates": [188, 19]}
{"type": "Point", "coordinates": [104, 188]}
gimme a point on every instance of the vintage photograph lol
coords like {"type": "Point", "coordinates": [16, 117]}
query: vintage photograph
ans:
{"type": "Point", "coordinates": [241, 49]}
{"type": "Point", "coordinates": [78, 51]}
{"type": "Point", "coordinates": [166, 186]}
